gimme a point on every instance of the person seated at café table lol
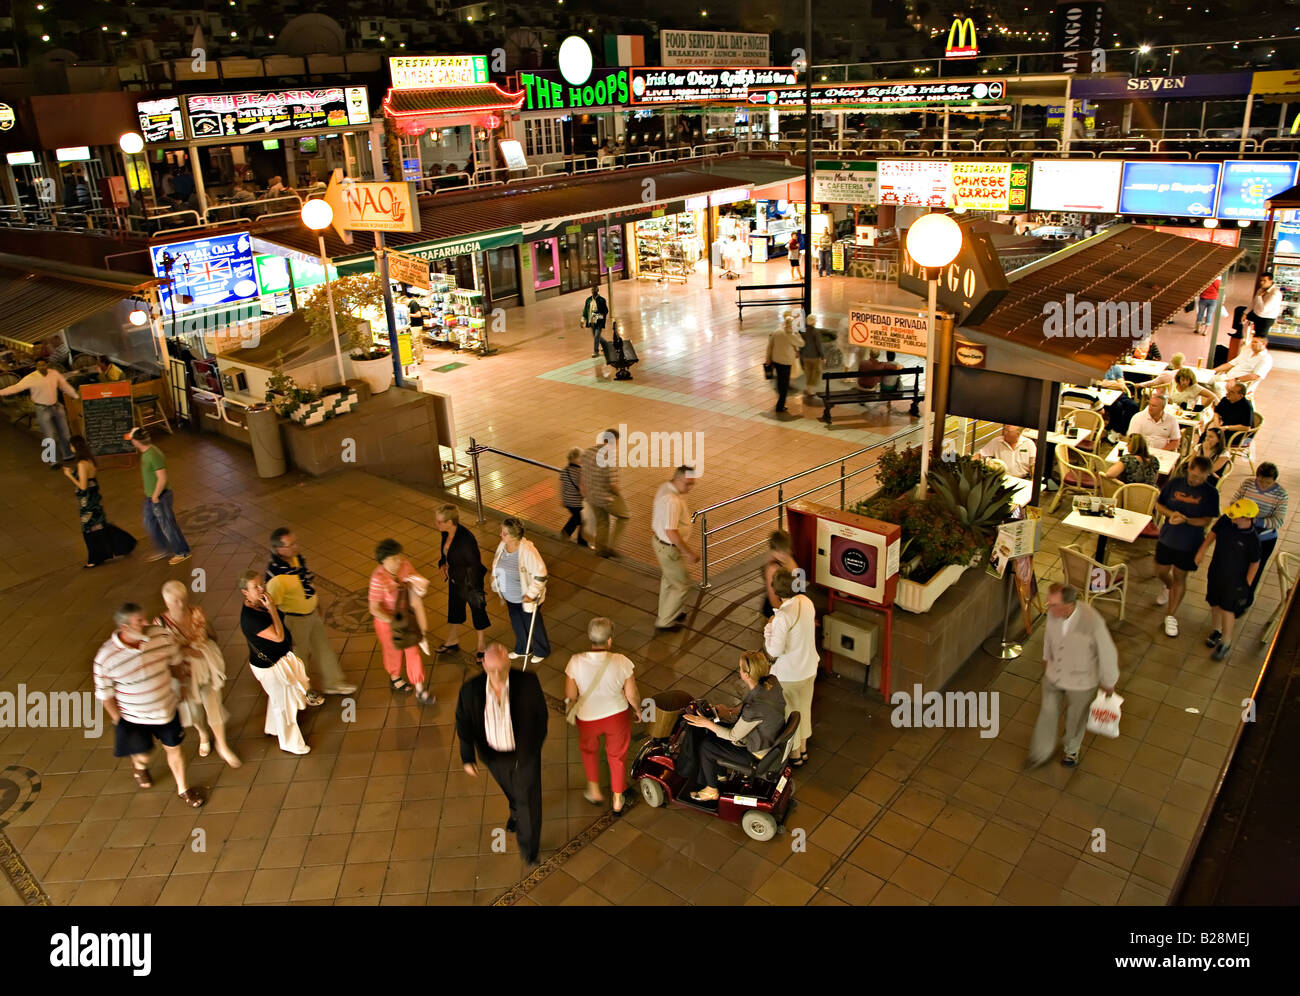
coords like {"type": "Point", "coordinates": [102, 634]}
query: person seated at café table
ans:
{"type": "Point", "coordinates": [1235, 412]}
{"type": "Point", "coordinates": [108, 370]}
{"type": "Point", "coordinates": [1166, 376]}
{"type": "Point", "coordinates": [1187, 393]}
{"type": "Point", "coordinates": [275, 187]}
{"type": "Point", "coordinates": [1215, 449]}
{"type": "Point", "coordinates": [1160, 428]}
{"type": "Point", "coordinates": [1014, 450]}
{"type": "Point", "coordinates": [1136, 465]}
{"type": "Point", "coordinates": [243, 193]}
{"type": "Point", "coordinates": [1251, 366]}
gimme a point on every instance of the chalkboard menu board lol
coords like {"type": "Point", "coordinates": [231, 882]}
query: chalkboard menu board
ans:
{"type": "Point", "coordinates": [108, 415]}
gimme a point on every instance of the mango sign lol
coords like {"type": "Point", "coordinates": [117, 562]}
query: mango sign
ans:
{"type": "Point", "coordinates": [389, 206]}
{"type": "Point", "coordinates": [903, 330]}
{"type": "Point", "coordinates": [981, 186]}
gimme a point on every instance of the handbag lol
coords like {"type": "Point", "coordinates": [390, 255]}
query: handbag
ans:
{"type": "Point", "coordinates": [571, 714]}
{"type": "Point", "coordinates": [405, 627]}
{"type": "Point", "coordinates": [769, 371]}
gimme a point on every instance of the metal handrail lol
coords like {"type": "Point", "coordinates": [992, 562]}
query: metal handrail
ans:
{"type": "Point", "coordinates": [803, 473]}
{"type": "Point", "coordinates": [475, 449]}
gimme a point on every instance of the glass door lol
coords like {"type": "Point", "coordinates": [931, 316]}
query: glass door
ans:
{"type": "Point", "coordinates": [571, 275]}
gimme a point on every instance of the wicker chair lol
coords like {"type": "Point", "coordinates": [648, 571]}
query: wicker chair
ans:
{"type": "Point", "coordinates": [1094, 580]}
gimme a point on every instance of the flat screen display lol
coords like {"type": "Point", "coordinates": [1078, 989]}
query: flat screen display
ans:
{"type": "Point", "coordinates": [1247, 184]}
{"type": "Point", "coordinates": [1174, 190]}
{"type": "Point", "coordinates": [1067, 185]}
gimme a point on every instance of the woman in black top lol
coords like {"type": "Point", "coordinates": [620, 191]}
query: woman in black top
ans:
{"type": "Point", "coordinates": [104, 541]}
{"type": "Point", "coordinates": [276, 667]}
{"type": "Point", "coordinates": [462, 568]}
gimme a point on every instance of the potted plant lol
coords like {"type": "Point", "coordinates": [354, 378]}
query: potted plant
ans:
{"type": "Point", "coordinates": [951, 529]}
{"type": "Point", "coordinates": [352, 296]}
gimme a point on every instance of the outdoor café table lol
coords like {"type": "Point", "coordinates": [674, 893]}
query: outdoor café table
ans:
{"type": "Point", "coordinates": [1126, 526]}
{"type": "Point", "coordinates": [1141, 371]}
{"type": "Point", "coordinates": [1072, 438]}
{"type": "Point", "coordinates": [1024, 489]}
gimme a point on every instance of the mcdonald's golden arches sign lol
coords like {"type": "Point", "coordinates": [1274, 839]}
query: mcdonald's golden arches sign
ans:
{"type": "Point", "coordinates": [961, 40]}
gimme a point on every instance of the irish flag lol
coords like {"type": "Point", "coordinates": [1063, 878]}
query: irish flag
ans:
{"type": "Point", "coordinates": [625, 50]}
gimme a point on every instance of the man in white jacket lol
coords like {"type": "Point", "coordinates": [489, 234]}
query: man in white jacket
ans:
{"type": "Point", "coordinates": [790, 638]}
{"type": "Point", "coordinates": [1078, 657]}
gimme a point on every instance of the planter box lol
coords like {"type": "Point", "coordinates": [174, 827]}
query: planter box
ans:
{"type": "Point", "coordinates": [913, 597]}
{"type": "Point", "coordinates": [378, 374]}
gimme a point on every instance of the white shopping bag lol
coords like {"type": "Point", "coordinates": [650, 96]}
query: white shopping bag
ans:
{"type": "Point", "coordinates": [1103, 715]}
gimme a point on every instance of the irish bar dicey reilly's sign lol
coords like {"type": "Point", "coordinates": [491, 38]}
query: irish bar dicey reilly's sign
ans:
{"type": "Point", "coordinates": [231, 115]}
{"type": "Point", "coordinates": [954, 92]}
{"type": "Point", "coordinates": [437, 72]}
{"type": "Point", "coordinates": [839, 182]}
{"type": "Point", "coordinates": [704, 86]}
{"type": "Point", "coordinates": [902, 330]}
{"type": "Point", "coordinates": [981, 186]}
{"type": "Point", "coordinates": [548, 90]}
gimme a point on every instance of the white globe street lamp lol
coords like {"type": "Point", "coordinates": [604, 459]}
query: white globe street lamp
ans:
{"type": "Point", "coordinates": [131, 143]}
{"type": "Point", "coordinates": [932, 242]}
{"type": "Point", "coordinates": [318, 216]}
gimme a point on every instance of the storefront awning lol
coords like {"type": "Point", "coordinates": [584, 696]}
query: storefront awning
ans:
{"type": "Point", "coordinates": [458, 100]}
{"type": "Point", "coordinates": [531, 208]}
{"type": "Point", "coordinates": [1124, 266]}
{"type": "Point", "coordinates": [1278, 84]}
{"type": "Point", "coordinates": [36, 303]}
{"type": "Point", "coordinates": [1286, 200]}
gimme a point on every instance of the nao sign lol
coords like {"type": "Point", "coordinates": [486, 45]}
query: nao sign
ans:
{"type": "Point", "coordinates": [372, 207]}
{"type": "Point", "coordinates": [902, 330]}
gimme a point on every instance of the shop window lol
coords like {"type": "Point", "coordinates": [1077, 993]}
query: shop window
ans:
{"type": "Point", "coordinates": [503, 272]}
{"type": "Point", "coordinates": [546, 264]}
{"type": "Point", "coordinates": [543, 137]}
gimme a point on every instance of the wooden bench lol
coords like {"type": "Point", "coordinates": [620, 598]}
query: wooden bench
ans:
{"type": "Point", "coordinates": [856, 395]}
{"type": "Point", "coordinates": [767, 302]}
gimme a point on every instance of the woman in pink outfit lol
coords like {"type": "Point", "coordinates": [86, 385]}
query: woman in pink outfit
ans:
{"type": "Point", "coordinates": [394, 574]}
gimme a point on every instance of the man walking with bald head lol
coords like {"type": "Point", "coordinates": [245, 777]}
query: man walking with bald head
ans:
{"type": "Point", "coordinates": [501, 717]}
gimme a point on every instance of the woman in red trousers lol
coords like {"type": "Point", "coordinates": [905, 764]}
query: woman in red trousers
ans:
{"type": "Point", "coordinates": [392, 575]}
{"type": "Point", "coordinates": [598, 689]}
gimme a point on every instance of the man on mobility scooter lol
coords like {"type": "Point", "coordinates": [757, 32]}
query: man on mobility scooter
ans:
{"type": "Point", "coordinates": [739, 753]}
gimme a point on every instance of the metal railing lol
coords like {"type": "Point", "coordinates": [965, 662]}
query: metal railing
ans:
{"type": "Point", "coordinates": [475, 449]}
{"type": "Point", "coordinates": [964, 432]}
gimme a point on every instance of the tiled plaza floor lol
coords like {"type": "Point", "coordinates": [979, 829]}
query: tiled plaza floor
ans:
{"type": "Point", "coordinates": [380, 811]}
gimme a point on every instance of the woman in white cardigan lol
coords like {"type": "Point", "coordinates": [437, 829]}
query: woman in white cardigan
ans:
{"type": "Point", "coordinates": [519, 578]}
{"type": "Point", "coordinates": [790, 638]}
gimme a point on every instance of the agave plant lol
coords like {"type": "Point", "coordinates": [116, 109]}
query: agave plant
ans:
{"type": "Point", "coordinates": [973, 494]}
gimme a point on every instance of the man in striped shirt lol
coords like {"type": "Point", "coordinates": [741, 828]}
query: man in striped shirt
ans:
{"type": "Point", "coordinates": [133, 678]}
{"type": "Point", "coordinates": [1271, 498]}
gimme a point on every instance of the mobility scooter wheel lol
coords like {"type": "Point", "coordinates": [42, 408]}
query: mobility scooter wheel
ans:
{"type": "Point", "coordinates": [759, 825]}
{"type": "Point", "coordinates": [653, 793]}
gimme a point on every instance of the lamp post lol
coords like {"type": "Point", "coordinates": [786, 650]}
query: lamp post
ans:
{"type": "Point", "coordinates": [933, 242]}
{"type": "Point", "coordinates": [132, 145]}
{"type": "Point", "coordinates": [318, 216]}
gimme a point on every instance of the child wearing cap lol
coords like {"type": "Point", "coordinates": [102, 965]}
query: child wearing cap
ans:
{"type": "Point", "coordinates": [1232, 570]}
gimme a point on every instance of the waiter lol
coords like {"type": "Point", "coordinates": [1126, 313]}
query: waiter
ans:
{"type": "Point", "coordinates": [45, 385]}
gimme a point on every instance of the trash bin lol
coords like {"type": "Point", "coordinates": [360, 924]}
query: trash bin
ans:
{"type": "Point", "coordinates": [668, 707]}
{"type": "Point", "coordinates": [268, 447]}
